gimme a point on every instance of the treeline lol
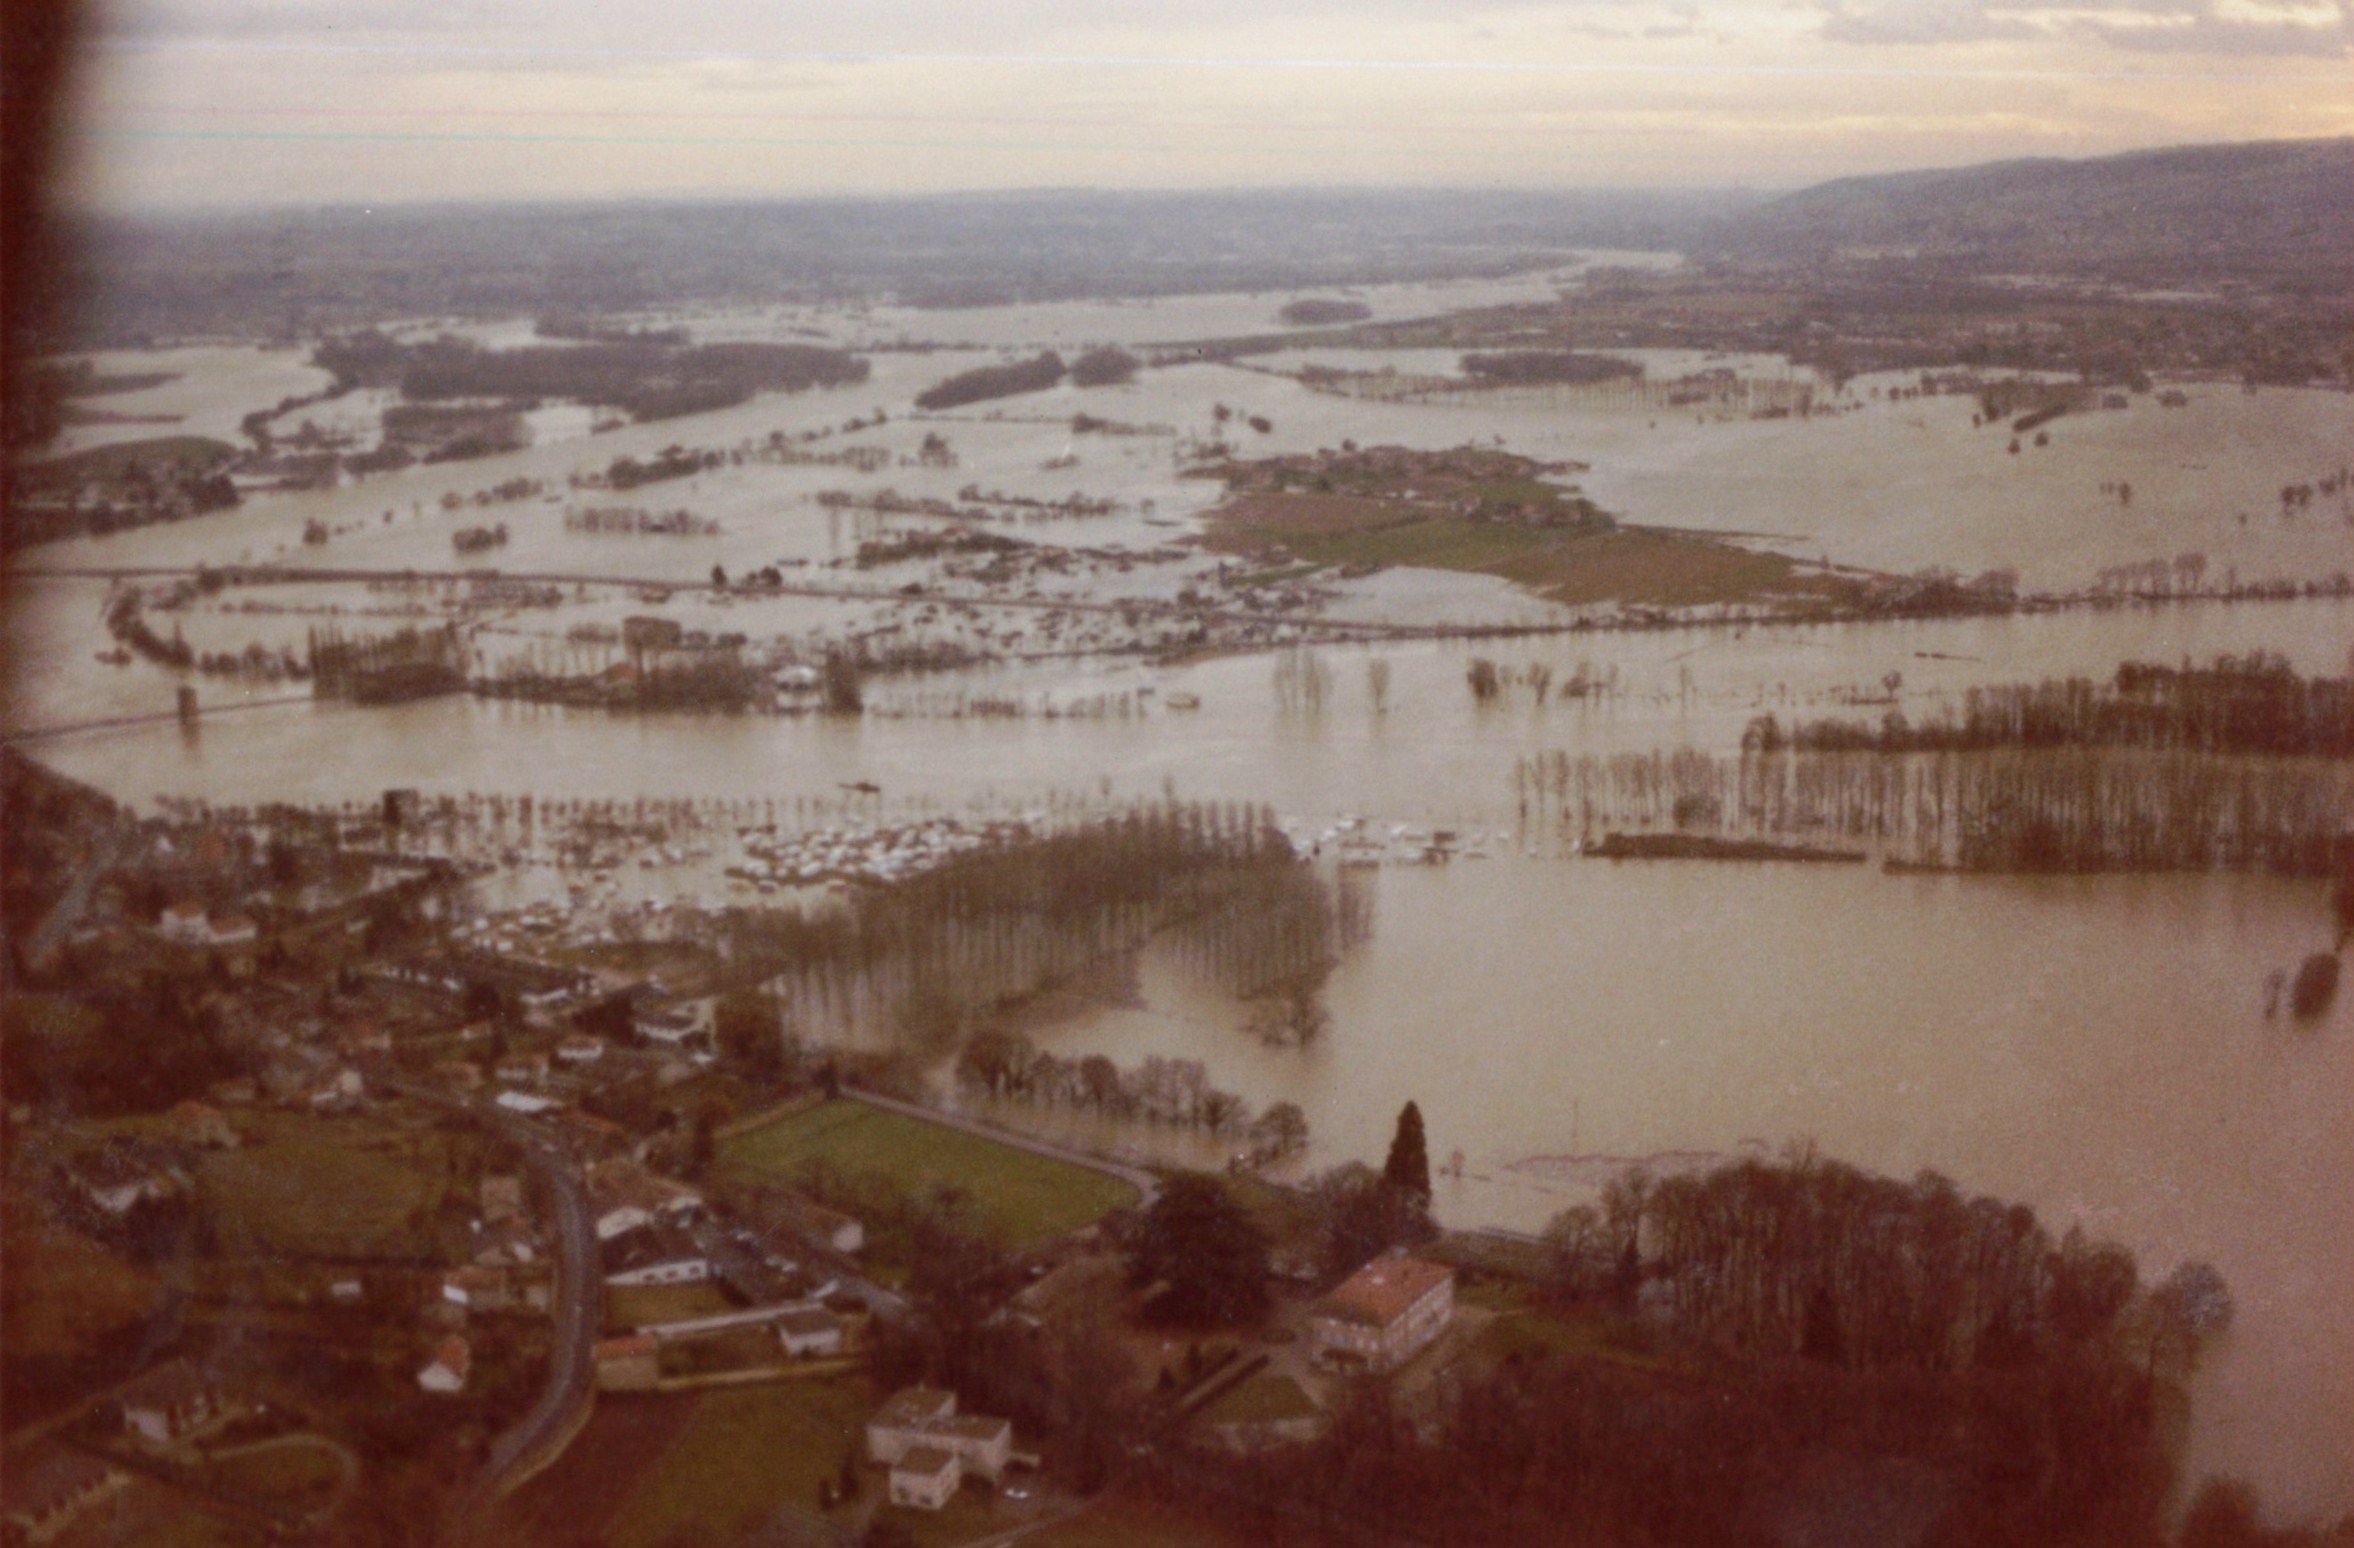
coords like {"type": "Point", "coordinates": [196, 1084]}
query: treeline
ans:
{"type": "Point", "coordinates": [649, 378]}
{"type": "Point", "coordinates": [1519, 367]}
{"type": "Point", "coordinates": [2031, 810]}
{"type": "Point", "coordinates": [2251, 705]}
{"type": "Point", "coordinates": [572, 325]}
{"type": "Point", "coordinates": [1108, 366]}
{"type": "Point", "coordinates": [1035, 374]}
{"type": "Point", "coordinates": [1322, 312]}
{"type": "Point", "coordinates": [1274, 935]}
{"type": "Point", "coordinates": [1819, 1260]}
{"type": "Point", "coordinates": [696, 680]}
{"type": "Point", "coordinates": [388, 668]}
{"type": "Point", "coordinates": [928, 960]}
{"type": "Point", "coordinates": [1174, 1092]}
{"type": "Point", "coordinates": [1771, 1344]}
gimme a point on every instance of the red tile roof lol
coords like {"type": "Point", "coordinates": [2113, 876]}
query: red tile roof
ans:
{"type": "Point", "coordinates": [1380, 1293]}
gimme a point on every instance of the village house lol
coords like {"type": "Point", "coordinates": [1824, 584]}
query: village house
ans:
{"type": "Point", "coordinates": [624, 1196]}
{"type": "Point", "coordinates": [1383, 1315]}
{"type": "Point", "coordinates": [337, 1091]}
{"type": "Point", "coordinates": [631, 1363]}
{"type": "Point", "coordinates": [477, 1289]}
{"type": "Point", "coordinates": [786, 1219]}
{"type": "Point", "coordinates": [812, 1333]}
{"type": "Point", "coordinates": [120, 1177]}
{"type": "Point", "coordinates": [206, 1128]}
{"type": "Point", "coordinates": [680, 1027]}
{"type": "Point", "coordinates": [446, 1372]}
{"type": "Point", "coordinates": [169, 1401]}
{"type": "Point", "coordinates": [50, 1492]}
{"type": "Point", "coordinates": [654, 1255]}
{"type": "Point", "coordinates": [185, 924]}
{"type": "Point", "coordinates": [926, 1478]}
{"type": "Point", "coordinates": [827, 1227]}
{"type": "Point", "coordinates": [521, 1069]}
{"type": "Point", "coordinates": [235, 930]}
{"type": "Point", "coordinates": [918, 1424]}
{"type": "Point", "coordinates": [580, 1049]}
{"type": "Point", "coordinates": [529, 1103]}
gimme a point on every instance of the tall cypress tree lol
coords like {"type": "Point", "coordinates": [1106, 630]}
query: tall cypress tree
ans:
{"type": "Point", "coordinates": [1408, 1167]}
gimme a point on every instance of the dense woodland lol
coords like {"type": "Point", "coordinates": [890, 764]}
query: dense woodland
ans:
{"type": "Point", "coordinates": [982, 383]}
{"type": "Point", "coordinates": [1781, 1345]}
{"type": "Point", "coordinates": [1520, 367]}
{"type": "Point", "coordinates": [648, 378]}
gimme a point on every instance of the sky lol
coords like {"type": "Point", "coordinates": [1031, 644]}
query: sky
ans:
{"type": "Point", "coordinates": [276, 102]}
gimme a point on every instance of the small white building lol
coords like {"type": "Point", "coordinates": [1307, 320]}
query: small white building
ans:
{"type": "Point", "coordinates": [810, 1334]}
{"type": "Point", "coordinates": [926, 1417]}
{"type": "Point", "coordinates": [926, 1478]}
{"type": "Point", "coordinates": [169, 1401]}
{"type": "Point", "coordinates": [651, 1255]}
{"type": "Point", "coordinates": [186, 923]}
{"type": "Point", "coordinates": [446, 1372]}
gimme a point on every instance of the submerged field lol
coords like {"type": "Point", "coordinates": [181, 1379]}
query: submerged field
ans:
{"type": "Point", "coordinates": [1020, 1198]}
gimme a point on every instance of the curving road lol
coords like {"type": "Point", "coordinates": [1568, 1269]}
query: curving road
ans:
{"type": "Point", "coordinates": [579, 1307]}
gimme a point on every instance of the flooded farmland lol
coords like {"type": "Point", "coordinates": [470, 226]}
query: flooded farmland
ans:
{"type": "Point", "coordinates": [2095, 1046]}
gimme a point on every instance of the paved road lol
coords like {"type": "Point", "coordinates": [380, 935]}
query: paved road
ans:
{"type": "Point", "coordinates": [1144, 1182]}
{"type": "Point", "coordinates": [67, 911]}
{"type": "Point", "coordinates": [580, 1295]}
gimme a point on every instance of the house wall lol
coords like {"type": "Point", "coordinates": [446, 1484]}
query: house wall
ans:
{"type": "Point", "coordinates": [924, 1493]}
{"type": "Point", "coordinates": [685, 1272]}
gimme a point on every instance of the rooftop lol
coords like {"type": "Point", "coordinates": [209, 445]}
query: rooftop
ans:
{"type": "Point", "coordinates": [914, 1405]}
{"type": "Point", "coordinates": [1381, 1292]}
{"type": "Point", "coordinates": [928, 1461]}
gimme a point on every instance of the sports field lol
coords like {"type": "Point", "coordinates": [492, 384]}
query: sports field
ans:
{"type": "Point", "coordinates": [1021, 1198]}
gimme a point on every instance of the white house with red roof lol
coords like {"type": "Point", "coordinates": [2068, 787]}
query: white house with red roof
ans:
{"type": "Point", "coordinates": [1383, 1315]}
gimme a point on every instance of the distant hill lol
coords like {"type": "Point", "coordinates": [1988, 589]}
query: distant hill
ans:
{"type": "Point", "coordinates": [2280, 211]}
{"type": "Point", "coordinates": [294, 273]}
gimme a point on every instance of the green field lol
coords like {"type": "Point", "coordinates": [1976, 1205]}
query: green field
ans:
{"type": "Point", "coordinates": [1127, 1521]}
{"type": "Point", "coordinates": [1264, 1399]}
{"type": "Point", "coordinates": [1020, 1198]}
{"type": "Point", "coordinates": [326, 1187]}
{"type": "Point", "coordinates": [637, 1306]}
{"type": "Point", "coordinates": [297, 1471]}
{"type": "Point", "coordinates": [745, 1455]}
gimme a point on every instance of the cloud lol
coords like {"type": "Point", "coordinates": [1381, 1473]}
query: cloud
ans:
{"type": "Point", "coordinates": [2312, 28]}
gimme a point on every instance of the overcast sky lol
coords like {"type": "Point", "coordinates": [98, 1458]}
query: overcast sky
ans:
{"type": "Point", "coordinates": [224, 102]}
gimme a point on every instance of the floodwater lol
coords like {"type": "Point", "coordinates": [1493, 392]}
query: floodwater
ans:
{"type": "Point", "coordinates": [2093, 1046]}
